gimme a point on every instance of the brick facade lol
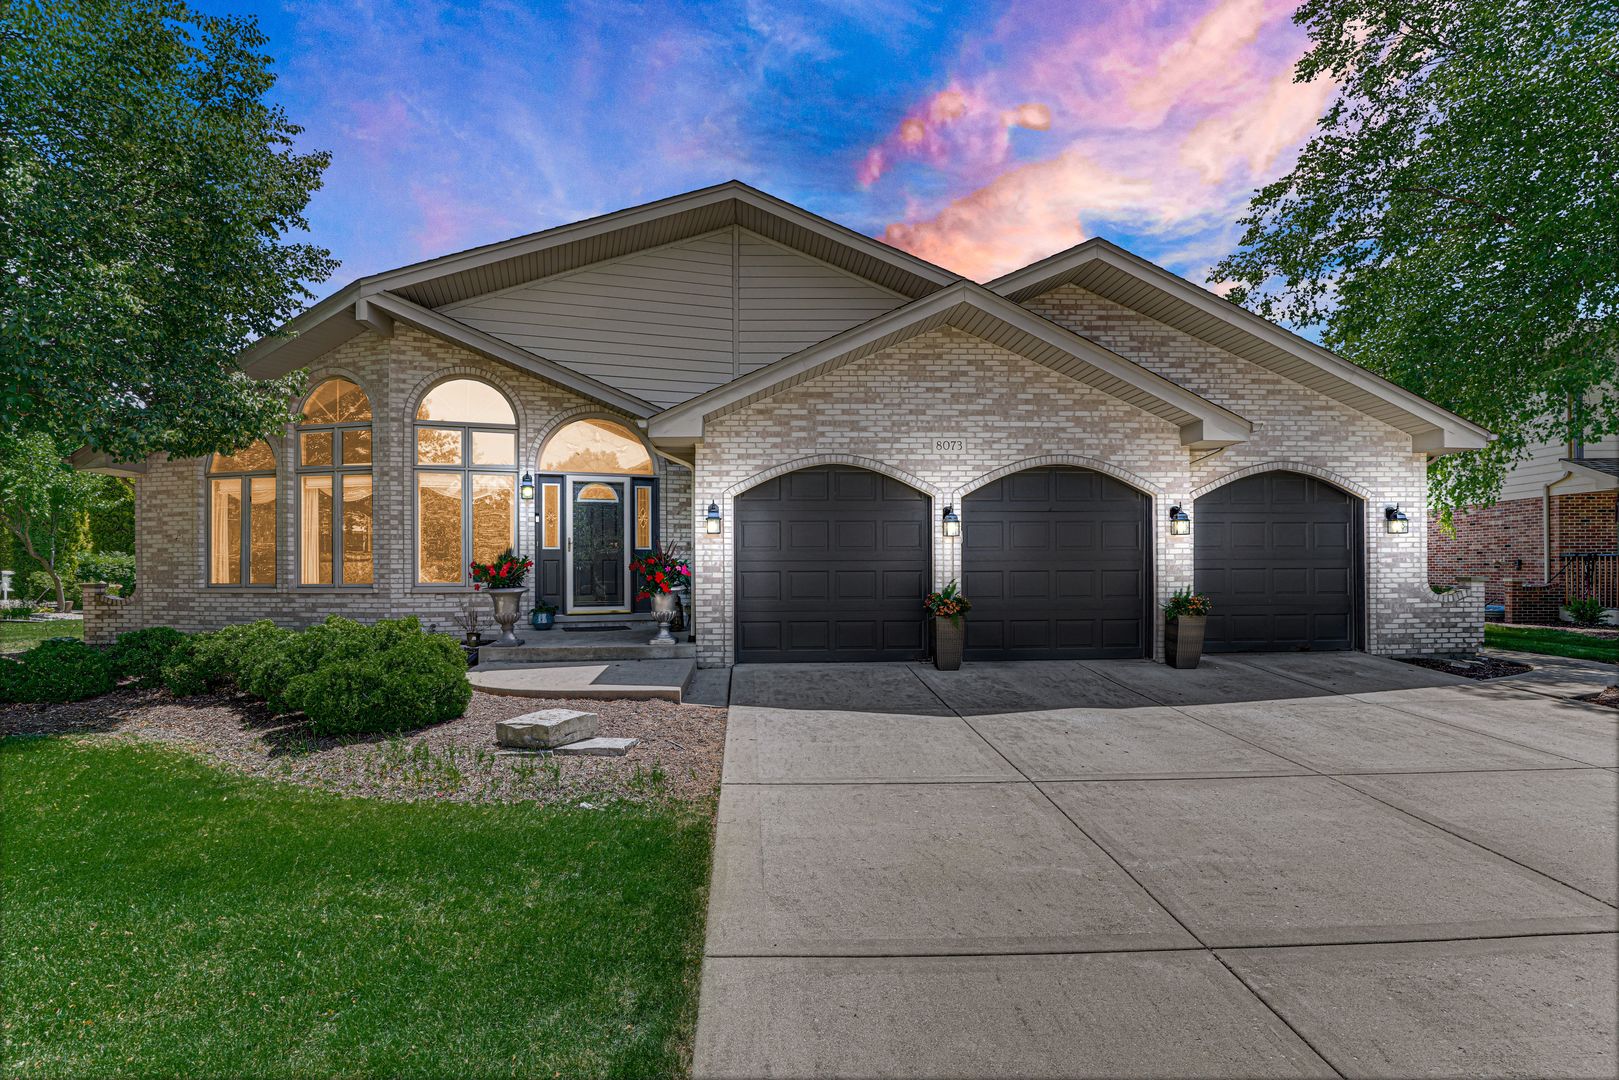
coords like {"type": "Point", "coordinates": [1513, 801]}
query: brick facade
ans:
{"type": "Point", "coordinates": [395, 372]}
{"type": "Point", "coordinates": [1509, 540]}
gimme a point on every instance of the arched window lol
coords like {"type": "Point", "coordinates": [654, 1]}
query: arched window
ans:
{"type": "Point", "coordinates": [596, 446]}
{"type": "Point", "coordinates": [241, 517]}
{"type": "Point", "coordinates": [334, 487]}
{"type": "Point", "coordinates": [466, 479]}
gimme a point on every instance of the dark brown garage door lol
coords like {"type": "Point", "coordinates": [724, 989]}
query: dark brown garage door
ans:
{"type": "Point", "coordinates": [1055, 563]}
{"type": "Point", "coordinates": [1279, 555]}
{"type": "Point", "coordinates": [831, 564]}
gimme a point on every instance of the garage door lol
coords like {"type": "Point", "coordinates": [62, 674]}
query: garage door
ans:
{"type": "Point", "coordinates": [831, 565]}
{"type": "Point", "coordinates": [1055, 563]}
{"type": "Point", "coordinates": [1279, 555]}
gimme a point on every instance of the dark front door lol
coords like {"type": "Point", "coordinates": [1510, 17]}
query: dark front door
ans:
{"type": "Point", "coordinates": [597, 562]}
{"type": "Point", "coordinates": [832, 563]}
{"type": "Point", "coordinates": [1055, 563]}
{"type": "Point", "coordinates": [1279, 555]}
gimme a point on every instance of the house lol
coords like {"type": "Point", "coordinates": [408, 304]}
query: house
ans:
{"type": "Point", "coordinates": [802, 409]}
{"type": "Point", "coordinates": [1556, 522]}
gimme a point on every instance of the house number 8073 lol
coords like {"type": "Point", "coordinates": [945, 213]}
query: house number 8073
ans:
{"type": "Point", "coordinates": [949, 446]}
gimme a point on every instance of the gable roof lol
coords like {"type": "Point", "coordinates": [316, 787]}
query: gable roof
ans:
{"type": "Point", "coordinates": [1102, 267]}
{"type": "Point", "coordinates": [444, 280]}
{"type": "Point", "coordinates": [977, 311]}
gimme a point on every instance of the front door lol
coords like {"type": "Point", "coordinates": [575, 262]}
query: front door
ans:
{"type": "Point", "coordinates": [598, 561]}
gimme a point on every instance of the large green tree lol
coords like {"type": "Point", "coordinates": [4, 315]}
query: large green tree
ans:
{"type": "Point", "coordinates": [148, 196]}
{"type": "Point", "coordinates": [1453, 224]}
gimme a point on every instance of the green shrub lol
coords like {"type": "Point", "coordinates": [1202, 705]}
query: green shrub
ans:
{"type": "Point", "coordinates": [387, 677]}
{"type": "Point", "coordinates": [57, 669]}
{"type": "Point", "coordinates": [142, 654]}
{"type": "Point", "coordinates": [223, 658]}
{"type": "Point", "coordinates": [1586, 611]}
{"type": "Point", "coordinates": [113, 567]}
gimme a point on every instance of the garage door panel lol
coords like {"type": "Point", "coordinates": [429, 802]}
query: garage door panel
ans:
{"type": "Point", "coordinates": [1055, 561]}
{"type": "Point", "coordinates": [1276, 553]}
{"type": "Point", "coordinates": [831, 564]}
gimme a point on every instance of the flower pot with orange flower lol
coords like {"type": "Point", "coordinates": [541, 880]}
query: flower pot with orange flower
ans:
{"type": "Point", "coordinates": [661, 574]}
{"type": "Point", "coordinates": [948, 608]}
{"type": "Point", "coordinates": [503, 580]}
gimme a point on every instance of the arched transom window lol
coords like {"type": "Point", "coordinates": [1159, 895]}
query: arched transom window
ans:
{"type": "Point", "coordinates": [241, 517]}
{"type": "Point", "coordinates": [466, 479]}
{"type": "Point", "coordinates": [336, 523]}
{"type": "Point", "coordinates": [596, 446]}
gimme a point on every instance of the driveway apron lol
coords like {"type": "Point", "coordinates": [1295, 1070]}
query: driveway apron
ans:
{"type": "Point", "coordinates": [1261, 867]}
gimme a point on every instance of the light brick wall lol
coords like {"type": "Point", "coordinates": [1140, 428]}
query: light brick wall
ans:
{"type": "Point", "coordinates": [882, 412]}
{"type": "Point", "coordinates": [171, 515]}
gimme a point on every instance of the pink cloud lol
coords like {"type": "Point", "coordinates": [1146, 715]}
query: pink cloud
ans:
{"type": "Point", "coordinates": [1162, 119]}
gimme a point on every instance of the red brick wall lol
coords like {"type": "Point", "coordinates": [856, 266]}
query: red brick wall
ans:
{"type": "Point", "coordinates": [1488, 543]}
{"type": "Point", "coordinates": [1533, 604]}
{"type": "Point", "coordinates": [1585, 523]}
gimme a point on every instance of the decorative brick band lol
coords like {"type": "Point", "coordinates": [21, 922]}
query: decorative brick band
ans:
{"type": "Point", "coordinates": [1335, 479]}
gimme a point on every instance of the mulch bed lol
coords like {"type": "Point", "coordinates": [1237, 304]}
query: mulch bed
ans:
{"type": "Point", "coordinates": [678, 759]}
{"type": "Point", "coordinates": [1608, 697]}
{"type": "Point", "coordinates": [1475, 667]}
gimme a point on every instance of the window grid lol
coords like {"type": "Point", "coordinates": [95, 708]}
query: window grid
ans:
{"type": "Point", "coordinates": [249, 545]}
{"type": "Point", "coordinates": [341, 455]}
{"type": "Point", "coordinates": [474, 470]}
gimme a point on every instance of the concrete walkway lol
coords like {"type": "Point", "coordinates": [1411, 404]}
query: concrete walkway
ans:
{"type": "Point", "coordinates": [1269, 866]}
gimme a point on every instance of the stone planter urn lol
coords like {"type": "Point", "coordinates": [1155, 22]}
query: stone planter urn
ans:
{"type": "Point", "coordinates": [665, 606]}
{"type": "Point", "coordinates": [949, 638]}
{"type": "Point", "coordinates": [1183, 640]}
{"type": "Point", "coordinates": [506, 602]}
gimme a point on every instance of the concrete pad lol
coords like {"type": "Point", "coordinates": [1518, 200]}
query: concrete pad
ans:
{"type": "Point", "coordinates": [1348, 672]}
{"type": "Point", "coordinates": [1558, 676]}
{"type": "Point", "coordinates": [1305, 860]}
{"type": "Point", "coordinates": [623, 679]}
{"type": "Point", "coordinates": [1560, 823]}
{"type": "Point", "coordinates": [1572, 729]}
{"type": "Point", "coordinates": [872, 688]}
{"type": "Point", "coordinates": [1123, 744]}
{"type": "Point", "coordinates": [598, 747]}
{"type": "Point", "coordinates": [1113, 1015]}
{"type": "Point", "coordinates": [908, 869]}
{"type": "Point", "coordinates": [709, 686]}
{"type": "Point", "coordinates": [774, 746]}
{"type": "Point", "coordinates": [1215, 679]}
{"type": "Point", "coordinates": [1539, 1006]}
{"type": "Point", "coordinates": [981, 689]}
{"type": "Point", "coordinates": [1340, 734]}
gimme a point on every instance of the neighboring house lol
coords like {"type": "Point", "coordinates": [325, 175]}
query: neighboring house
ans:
{"type": "Point", "coordinates": [1557, 520]}
{"type": "Point", "coordinates": [798, 406]}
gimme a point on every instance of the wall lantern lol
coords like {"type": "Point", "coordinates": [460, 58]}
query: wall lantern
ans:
{"type": "Point", "coordinates": [525, 489]}
{"type": "Point", "coordinates": [711, 521]}
{"type": "Point", "coordinates": [1394, 521]}
{"type": "Point", "coordinates": [1179, 523]}
{"type": "Point", "coordinates": [952, 522]}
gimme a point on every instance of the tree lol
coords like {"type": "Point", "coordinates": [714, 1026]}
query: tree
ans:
{"type": "Point", "coordinates": [1453, 224]}
{"type": "Point", "coordinates": [44, 505]}
{"type": "Point", "coordinates": [146, 193]}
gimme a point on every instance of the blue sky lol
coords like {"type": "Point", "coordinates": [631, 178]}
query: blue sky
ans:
{"type": "Point", "coordinates": [980, 136]}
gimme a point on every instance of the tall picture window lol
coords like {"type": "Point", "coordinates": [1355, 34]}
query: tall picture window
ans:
{"type": "Point", "coordinates": [241, 517]}
{"type": "Point", "coordinates": [466, 480]}
{"type": "Point", "coordinates": [336, 522]}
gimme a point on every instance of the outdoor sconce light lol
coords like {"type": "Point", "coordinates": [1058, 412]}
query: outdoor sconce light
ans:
{"type": "Point", "coordinates": [711, 521]}
{"type": "Point", "coordinates": [1394, 521]}
{"type": "Point", "coordinates": [952, 522]}
{"type": "Point", "coordinates": [525, 489]}
{"type": "Point", "coordinates": [1179, 523]}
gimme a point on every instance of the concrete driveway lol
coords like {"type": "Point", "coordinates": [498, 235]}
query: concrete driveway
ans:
{"type": "Point", "coordinates": [1290, 865]}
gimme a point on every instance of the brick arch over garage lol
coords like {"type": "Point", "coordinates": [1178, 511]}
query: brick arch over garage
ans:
{"type": "Point", "coordinates": [810, 462]}
{"type": "Point", "coordinates": [1337, 480]}
{"type": "Point", "coordinates": [1078, 461]}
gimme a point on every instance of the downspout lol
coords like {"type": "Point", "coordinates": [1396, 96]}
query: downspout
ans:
{"type": "Point", "coordinates": [1546, 524]}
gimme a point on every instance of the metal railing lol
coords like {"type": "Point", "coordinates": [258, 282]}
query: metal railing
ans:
{"type": "Point", "coordinates": [1591, 573]}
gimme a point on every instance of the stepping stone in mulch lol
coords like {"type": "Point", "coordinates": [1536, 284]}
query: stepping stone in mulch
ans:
{"type": "Point", "coordinates": [546, 729]}
{"type": "Point", "coordinates": [599, 747]}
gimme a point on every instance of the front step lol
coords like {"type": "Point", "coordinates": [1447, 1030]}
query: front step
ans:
{"type": "Point", "coordinates": [585, 650]}
{"type": "Point", "coordinates": [621, 679]}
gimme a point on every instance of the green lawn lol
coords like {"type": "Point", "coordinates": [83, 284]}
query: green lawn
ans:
{"type": "Point", "coordinates": [164, 918]}
{"type": "Point", "coordinates": [17, 635]}
{"type": "Point", "coordinates": [1551, 641]}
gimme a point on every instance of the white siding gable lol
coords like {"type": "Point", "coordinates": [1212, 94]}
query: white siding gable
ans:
{"type": "Point", "coordinates": [668, 323]}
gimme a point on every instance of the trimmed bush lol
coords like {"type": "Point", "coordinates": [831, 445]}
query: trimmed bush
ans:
{"type": "Point", "coordinates": [57, 669]}
{"type": "Point", "coordinates": [142, 654]}
{"type": "Point", "coordinates": [387, 677]}
{"type": "Point", "coordinates": [223, 658]}
{"type": "Point", "coordinates": [113, 567]}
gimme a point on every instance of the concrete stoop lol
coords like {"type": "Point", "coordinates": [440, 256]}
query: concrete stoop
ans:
{"type": "Point", "coordinates": [559, 731]}
{"type": "Point", "coordinates": [601, 680]}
